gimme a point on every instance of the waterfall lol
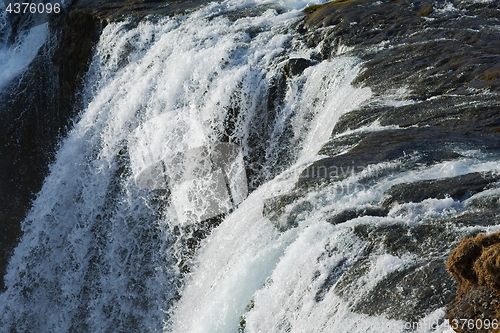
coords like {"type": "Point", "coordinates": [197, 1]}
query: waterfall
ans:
{"type": "Point", "coordinates": [101, 254]}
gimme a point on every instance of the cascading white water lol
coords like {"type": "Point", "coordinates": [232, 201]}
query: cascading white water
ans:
{"type": "Point", "coordinates": [99, 254]}
{"type": "Point", "coordinates": [15, 57]}
{"type": "Point", "coordinates": [17, 52]}
{"type": "Point", "coordinates": [94, 255]}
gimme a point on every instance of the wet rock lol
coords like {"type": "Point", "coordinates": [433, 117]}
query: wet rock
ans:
{"type": "Point", "coordinates": [296, 66]}
{"type": "Point", "coordinates": [275, 207]}
{"type": "Point", "coordinates": [409, 292]}
{"type": "Point", "coordinates": [338, 145]}
{"type": "Point", "coordinates": [404, 295]}
{"type": "Point", "coordinates": [479, 304]}
{"type": "Point", "coordinates": [350, 214]}
{"type": "Point", "coordinates": [137, 9]}
{"type": "Point", "coordinates": [476, 218]}
{"type": "Point", "coordinates": [284, 211]}
{"type": "Point", "coordinates": [32, 120]}
{"type": "Point", "coordinates": [36, 113]}
{"type": "Point", "coordinates": [425, 11]}
{"type": "Point", "coordinates": [491, 203]}
{"type": "Point", "coordinates": [445, 64]}
{"type": "Point", "coordinates": [458, 188]}
{"type": "Point", "coordinates": [420, 240]}
{"type": "Point", "coordinates": [466, 115]}
{"type": "Point", "coordinates": [188, 239]}
{"type": "Point", "coordinates": [432, 51]}
{"type": "Point", "coordinates": [410, 147]}
{"type": "Point", "coordinates": [333, 276]}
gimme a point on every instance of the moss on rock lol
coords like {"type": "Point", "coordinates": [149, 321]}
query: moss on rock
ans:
{"type": "Point", "coordinates": [475, 264]}
{"type": "Point", "coordinates": [322, 14]}
{"type": "Point", "coordinates": [426, 11]}
{"type": "Point", "coordinates": [487, 267]}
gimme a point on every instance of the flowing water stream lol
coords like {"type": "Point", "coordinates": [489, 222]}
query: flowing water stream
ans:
{"type": "Point", "coordinates": [100, 254]}
{"type": "Point", "coordinates": [17, 54]}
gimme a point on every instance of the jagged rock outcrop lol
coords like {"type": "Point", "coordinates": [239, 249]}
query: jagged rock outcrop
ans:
{"type": "Point", "coordinates": [443, 63]}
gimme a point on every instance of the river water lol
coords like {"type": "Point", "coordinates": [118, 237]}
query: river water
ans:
{"type": "Point", "coordinates": [101, 254]}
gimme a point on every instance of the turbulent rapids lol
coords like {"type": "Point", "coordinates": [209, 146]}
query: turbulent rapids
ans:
{"type": "Point", "coordinates": [238, 167]}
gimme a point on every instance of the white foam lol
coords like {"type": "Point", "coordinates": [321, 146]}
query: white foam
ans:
{"type": "Point", "coordinates": [15, 58]}
{"type": "Point", "coordinates": [87, 240]}
{"type": "Point", "coordinates": [327, 97]}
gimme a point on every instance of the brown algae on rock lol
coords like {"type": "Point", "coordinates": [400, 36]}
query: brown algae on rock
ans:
{"type": "Point", "coordinates": [475, 264]}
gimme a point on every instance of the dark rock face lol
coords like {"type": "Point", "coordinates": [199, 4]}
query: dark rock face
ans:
{"type": "Point", "coordinates": [119, 10]}
{"type": "Point", "coordinates": [434, 53]}
{"type": "Point", "coordinates": [296, 66]}
{"type": "Point", "coordinates": [276, 209]}
{"type": "Point", "coordinates": [347, 215]}
{"type": "Point", "coordinates": [36, 113]}
{"type": "Point", "coordinates": [407, 284]}
{"type": "Point", "coordinates": [427, 41]}
{"type": "Point", "coordinates": [437, 58]}
{"type": "Point", "coordinates": [428, 145]}
{"type": "Point", "coordinates": [407, 293]}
